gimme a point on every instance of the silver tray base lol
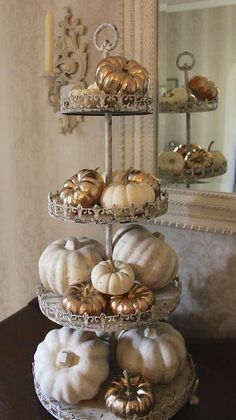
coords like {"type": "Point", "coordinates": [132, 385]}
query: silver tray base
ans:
{"type": "Point", "coordinates": [169, 400]}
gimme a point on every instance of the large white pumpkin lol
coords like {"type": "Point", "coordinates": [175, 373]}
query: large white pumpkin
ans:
{"type": "Point", "coordinates": [154, 262]}
{"type": "Point", "coordinates": [70, 365]}
{"type": "Point", "coordinates": [157, 352]}
{"type": "Point", "coordinates": [68, 261]}
{"type": "Point", "coordinates": [120, 195]}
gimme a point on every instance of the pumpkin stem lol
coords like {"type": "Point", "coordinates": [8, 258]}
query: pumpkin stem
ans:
{"type": "Point", "coordinates": [113, 267]}
{"type": "Point", "coordinates": [72, 244]}
{"type": "Point", "coordinates": [209, 147]}
{"type": "Point", "coordinates": [125, 179]}
{"type": "Point", "coordinates": [86, 290]}
{"type": "Point", "coordinates": [67, 359]}
{"type": "Point", "coordinates": [96, 169]}
{"type": "Point", "coordinates": [128, 383]}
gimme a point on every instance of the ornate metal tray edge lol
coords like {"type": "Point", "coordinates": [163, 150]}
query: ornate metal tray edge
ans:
{"type": "Point", "coordinates": [194, 174]}
{"type": "Point", "coordinates": [56, 313]}
{"type": "Point", "coordinates": [164, 413]}
{"type": "Point", "coordinates": [195, 106]}
{"type": "Point", "coordinates": [97, 214]}
{"type": "Point", "coordinates": [101, 103]}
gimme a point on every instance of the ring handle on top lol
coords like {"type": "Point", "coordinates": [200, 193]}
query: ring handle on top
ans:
{"type": "Point", "coordinates": [106, 46]}
{"type": "Point", "coordinates": [185, 66]}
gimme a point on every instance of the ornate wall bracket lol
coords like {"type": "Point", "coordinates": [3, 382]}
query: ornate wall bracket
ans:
{"type": "Point", "coordinates": [70, 67]}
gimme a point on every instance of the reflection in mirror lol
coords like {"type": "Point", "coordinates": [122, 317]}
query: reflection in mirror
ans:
{"type": "Point", "coordinates": [207, 29]}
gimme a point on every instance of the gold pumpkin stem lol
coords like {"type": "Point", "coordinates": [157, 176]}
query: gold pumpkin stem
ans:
{"type": "Point", "coordinates": [113, 267]}
{"type": "Point", "coordinates": [96, 169]}
{"type": "Point", "coordinates": [128, 383]}
{"type": "Point", "coordinates": [209, 147]}
{"type": "Point", "coordinates": [86, 291]}
{"type": "Point", "coordinates": [125, 179]}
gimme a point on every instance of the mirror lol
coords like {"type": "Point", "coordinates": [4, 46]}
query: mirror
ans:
{"type": "Point", "coordinates": [207, 29]}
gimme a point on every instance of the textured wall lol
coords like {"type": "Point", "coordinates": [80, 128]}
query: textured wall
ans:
{"type": "Point", "coordinates": [208, 275]}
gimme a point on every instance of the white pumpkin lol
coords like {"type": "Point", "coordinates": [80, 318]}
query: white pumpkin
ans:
{"type": "Point", "coordinates": [70, 365]}
{"type": "Point", "coordinates": [219, 159]}
{"type": "Point", "coordinates": [112, 277]}
{"type": "Point", "coordinates": [67, 261]}
{"type": "Point", "coordinates": [175, 98]}
{"type": "Point", "coordinates": [154, 262]}
{"type": "Point", "coordinates": [124, 195]}
{"type": "Point", "coordinates": [157, 352]}
{"type": "Point", "coordinates": [171, 163]}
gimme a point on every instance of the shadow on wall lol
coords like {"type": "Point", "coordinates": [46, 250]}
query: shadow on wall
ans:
{"type": "Point", "coordinates": [208, 306]}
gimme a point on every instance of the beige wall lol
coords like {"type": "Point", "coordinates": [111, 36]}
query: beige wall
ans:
{"type": "Point", "coordinates": [34, 157]}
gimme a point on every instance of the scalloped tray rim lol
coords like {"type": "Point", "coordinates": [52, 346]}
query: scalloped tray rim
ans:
{"type": "Point", "coordinates": [114, 322]}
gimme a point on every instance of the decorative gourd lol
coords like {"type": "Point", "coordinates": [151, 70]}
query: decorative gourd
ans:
{"type": "Point", "coordinates": [154, 262]}
{"type": "Point", "coordinates": [68, 261]}
{"type": "Point", "coordinates": [126, 193]}
{"type": "Point", "coordinates": [138, 176]}
{"type": "Point", "coordinates": [81, 298]}
{"type": "Point", "coordinates": [112, 277]}
{"type": "Point", "coordinates": [176, 98]}
{"type": "Point", "coordinates": [70, 365]}
{"type": "Point", "coordinates": [129, 396]}
{"type": "Point", "coordinates": [182, 149]}
{"type": "Point", "coordinates": [203, 88]}
{"type": "Point", "coordinates": [157, 351]}
{"type": "Point", "coordinates": [139, 298]}
{"type": "Point", "coordinates": [218, 158]}
{"type": "Point", "coordinates": [198, 159]}
{"type": "Point", "coordinates": [84, 188]}
{"type": "Point", "coordinates": [114, 74]}
{"type": "Point", "coordinates": [171, 163]}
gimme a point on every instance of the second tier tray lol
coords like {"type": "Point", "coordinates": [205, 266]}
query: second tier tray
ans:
{"type": "Point", "coordinates": [169, 400]}
{"type": "Point", "coordinates": [167, 300]}
{"type": "Point", "coordinates": [97, 214]}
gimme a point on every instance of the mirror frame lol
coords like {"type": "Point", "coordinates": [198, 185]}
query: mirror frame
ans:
{"type": "Point", "coordinates": [188, 209]}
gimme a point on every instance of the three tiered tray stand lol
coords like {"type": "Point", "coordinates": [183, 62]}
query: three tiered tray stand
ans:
{"type": "Point", "coordinates": [191, 106]}
{"type": "Point", "coordinates": [169, 398]}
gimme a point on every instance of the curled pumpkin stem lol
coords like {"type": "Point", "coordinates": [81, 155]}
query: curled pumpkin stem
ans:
{"type": "Point", "coordinates": [210, 145]}
{"type": "Point", "coordinates": [125, 179]}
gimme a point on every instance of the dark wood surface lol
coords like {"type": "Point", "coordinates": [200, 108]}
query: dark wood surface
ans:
{"type": "Point", "coordinates": [21, 333]}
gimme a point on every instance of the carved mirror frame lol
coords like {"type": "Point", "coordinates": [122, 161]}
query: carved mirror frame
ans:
{"type": "Point", "coordinates": [188, 209]}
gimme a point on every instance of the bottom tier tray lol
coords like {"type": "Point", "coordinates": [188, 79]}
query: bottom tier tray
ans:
{"type": "Point", "coordinates": [169, 400]}
{"type": "Point", "coordinates": [167, 300]}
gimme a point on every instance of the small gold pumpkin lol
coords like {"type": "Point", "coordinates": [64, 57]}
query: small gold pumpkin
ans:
{"type": "Point", "coordinates": [139, 176]}
{"type": "Point", "coordinates": [139, 298]}
{"type": "Point", "coordinates": [130, 396]}
{"type": "Point", "coordinates": [83, 188]}
{"type": "Point", "coordinates": [198, 159]}
{"type": "Point", "coordinates": [81, 298]}
{"type": "Point", "coordinates": [115, 74]}
{"type": "Point", "coordinates": [182, 149]}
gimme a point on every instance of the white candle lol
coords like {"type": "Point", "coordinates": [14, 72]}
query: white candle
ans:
{"type": "Point", "coordinates": [49, 41]}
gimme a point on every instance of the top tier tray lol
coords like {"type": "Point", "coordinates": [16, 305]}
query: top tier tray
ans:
{"type": "Point", "coordinates": [101, 104]}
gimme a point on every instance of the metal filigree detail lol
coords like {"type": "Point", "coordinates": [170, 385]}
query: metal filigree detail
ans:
{"type": "Point", "coordinates": [190, 106]}
{"type": "Point", "coordinates": [70, 67]}
{"type": "Point", "coordinates": [169, 400]}
{"type": "Point", "coordinates": [118, 104]}
{"type": "Point", "coordinates": [167, 300]}
{"type": "Point", "coordinates": [194, 173]}
{"type": "Point", "coordinates": [97, 214]}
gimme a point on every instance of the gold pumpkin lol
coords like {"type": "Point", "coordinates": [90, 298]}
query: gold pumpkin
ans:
{"type": "Point", "coordinates": [114, 74]}
{"type": "Point", "coordinates": [130, 396]}
{"type": "Point", "coordinates": [81, 298]}
{"type": "Point", "coordinates": [83, 188]}
{"type": "Point", "coordinates": [139, 298]}
{"type": "Point", "coordinates": [198, 159]}
{"type": "Point", "coordinates": [182, 149]}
